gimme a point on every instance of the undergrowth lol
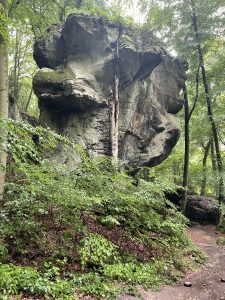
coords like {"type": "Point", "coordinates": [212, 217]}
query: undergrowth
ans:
{"type": "Point", "coordinates": [88, 230]}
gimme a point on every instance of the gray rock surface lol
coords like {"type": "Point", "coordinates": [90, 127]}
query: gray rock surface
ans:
{"type": "Point", "coordinates": [201, 209]}
{"type": "Point", "coordinates": [78, 62]}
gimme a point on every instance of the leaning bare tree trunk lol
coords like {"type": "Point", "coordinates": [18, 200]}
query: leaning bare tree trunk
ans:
{"type": "Point", "coordinates": [3, 93]}
{"type": "Point", "coordinates": [186, 151]}
{"type": "Point", "coordinates": [114, 118]}
{"type": "Point", "coordinates": [210, 113]}
{"type": "Point", "coordinates": [114, 107]}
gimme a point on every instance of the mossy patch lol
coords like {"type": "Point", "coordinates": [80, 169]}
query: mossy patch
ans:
{"type": "Point", "coordinates": [54, 76]}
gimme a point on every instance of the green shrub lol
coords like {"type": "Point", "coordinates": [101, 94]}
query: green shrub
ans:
{"type": "Point", "coordinates": [43, 216]}
{"type": "Point", "coordinates": [14, 280]}
{"type": "Point", "coordinates": [149, 274]}
{"type": "Point", "coordinates": [95, 284]}
{"type": "Point", "coordinates": [96, 251]}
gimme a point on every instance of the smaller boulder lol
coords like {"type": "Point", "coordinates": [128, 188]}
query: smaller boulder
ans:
{"type": "Point", "coordinates": [201, 209]}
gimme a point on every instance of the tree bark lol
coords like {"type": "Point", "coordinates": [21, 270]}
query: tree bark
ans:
{"type": "Point", "coordinates": [213, 158]}
{"type": "Point", "coordinates": [29, 99]}
{"type": "Point", "coordinates": [186, 151]}
{"type": "Point", "coordinates": [3, 95]}
{"type": "Point", "coordinates": [196, 94]}
{"type": "Point", "coordinates": [15, 79]}
{"type": "Point", "coordinates": [210, 112]}
{"type": "Point", "coordinates": [115, 119]}
{"type": "Point", "coordinates": [204, 168]}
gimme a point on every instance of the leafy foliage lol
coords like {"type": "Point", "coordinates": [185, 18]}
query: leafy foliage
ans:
{"type": "Point", "coordinates": [97, 251]}
{"type": "Point", "coordinates": [14, 280]}
{"type": "Point", "coordinates": [44, 216]}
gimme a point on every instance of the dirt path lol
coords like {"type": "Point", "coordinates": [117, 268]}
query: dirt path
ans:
{"type": "Point", "coordinates": [206, 282]}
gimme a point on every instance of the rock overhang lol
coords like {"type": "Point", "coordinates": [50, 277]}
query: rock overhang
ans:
{"type": "Point", "coordinates": [81, 57]}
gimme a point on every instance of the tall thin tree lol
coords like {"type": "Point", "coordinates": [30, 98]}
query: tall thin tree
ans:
{"type": "Point", "coordinates": [186, 155]}
{"type": "Point", "coordinates": [3, 88]}
{"type": "Point", "coordinates": [187, 117]}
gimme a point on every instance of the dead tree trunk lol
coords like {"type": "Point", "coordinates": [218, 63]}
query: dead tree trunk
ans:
{"type": "Point", "coordinates": [114, 107]}
{"type": "Point", "coordinates": [210, 111]}
{"type": "Point", "coordinates": [115, 119]}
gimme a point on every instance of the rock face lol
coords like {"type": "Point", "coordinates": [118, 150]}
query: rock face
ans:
{"type": "Point", "coordinates": [201, 209]}
{"type": "Point", "coordinates": [76, 84]}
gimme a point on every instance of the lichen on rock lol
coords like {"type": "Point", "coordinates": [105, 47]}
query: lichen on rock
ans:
{"type": "Point", "coordinates": [76, 86]}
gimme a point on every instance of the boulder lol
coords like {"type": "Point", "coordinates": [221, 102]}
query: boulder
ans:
{"type": "Point", "coordinates": [201, 209]}
{"type": "Point", "coordinates": [75, 84]}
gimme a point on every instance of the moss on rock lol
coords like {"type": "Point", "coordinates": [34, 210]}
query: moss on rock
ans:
{"type": "Point", "coordinates": [54, 76]}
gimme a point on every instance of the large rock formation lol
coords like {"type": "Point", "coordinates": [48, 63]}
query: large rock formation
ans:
{"type": "Point", "coordinates": [79, 62]}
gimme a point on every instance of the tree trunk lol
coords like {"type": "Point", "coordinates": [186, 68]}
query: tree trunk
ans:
{"type": "Point", "coordinates": [29, 99]}
{"type": "Point", "coordinates": [186, 151]}
{"type": "Point", "coordinates": [210, 112]}
{"type": "Point", "coordinates": [213, 157]}
{"type": "Point", "coordinates": [187, 117]}
{"type": "Point", "coordinates": [115, 119]}
{"type": "Point", "coordinates": [15, 79]}
{"type": "Point", "coordinates": [204, 168]}
{"type": "Point", "coordinates": [196, 94]}
{"type": "Point", "coordinates": [114, 107]}
{"type": "Point", "coordinates": [3, 94]}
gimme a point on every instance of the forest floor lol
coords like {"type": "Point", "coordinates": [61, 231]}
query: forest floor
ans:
{"type": "Point", "coordinates": [206, 281]}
